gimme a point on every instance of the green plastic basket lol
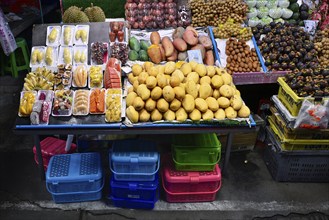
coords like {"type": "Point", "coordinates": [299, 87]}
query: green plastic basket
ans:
{"type": "Point", "coordinates": [208, 140]}
{"type": "Point", "coordinates": [196, 166]}
{"type": "Point", "coordinates": [199, 152]}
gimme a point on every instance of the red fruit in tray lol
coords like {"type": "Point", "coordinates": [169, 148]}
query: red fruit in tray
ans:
{"type": "Point", "coordinates": [120, 36]}
{"type": "Point", "coordinates": [112, 36]}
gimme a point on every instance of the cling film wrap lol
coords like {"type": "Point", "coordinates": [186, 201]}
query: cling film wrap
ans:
{"type": "Point", "coordinates": [7, 38]}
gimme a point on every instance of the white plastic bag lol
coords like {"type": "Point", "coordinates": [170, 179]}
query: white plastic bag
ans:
{"type": "Point", "coordinates": [313, 115]}
{"type": "Point", "coordinates": [7, 38]}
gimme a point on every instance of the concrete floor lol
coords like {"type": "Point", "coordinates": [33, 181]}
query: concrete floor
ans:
{"type": "Point", "coordinates": [248, 191]}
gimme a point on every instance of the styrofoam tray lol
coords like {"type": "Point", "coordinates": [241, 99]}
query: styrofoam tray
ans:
{"type": "Point", "coordinates": [109, 98]}
{"type": "Point", "coordinates": [68, 100]}
{"type": "Point", "coordinates": [54, 56]}
{"type": "Point", "coordinates": [61, 55]}
{"type": "Point", "coordinates": [83, 50]}
{"type": "Point", "coordinates": [74, 73]}
{"type": "Point", "coordinates": [100, 72]}
{"type": "Point", "coordinates": [71, 37]}
{"type": "Point", "coordinates": [81, 102]}
{"type": "Point", "coordinates": [58, 36]}
{"type": "Point", "coordinates": [105, 55]}
{"type": "Point", "coordinates": [21, 97]}
{"type": "Point", "coordinates": [91, 92]}
{"type": "Point", "coordinates": [78, 41]}
{"type": "Point", "coordinates": [42, 61]}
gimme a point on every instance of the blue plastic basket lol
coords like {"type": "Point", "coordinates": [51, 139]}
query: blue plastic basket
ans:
{"type": "Point", "coordinates": [134, 160]}
{"type": "Point", "coordinates": [78, 196]}
{"type": "Point", "coordinates": [148, 190]}
{"type": "Point", "coordinates": [132, 203]}
{"type": "Point", "coordinates": [74, 173]}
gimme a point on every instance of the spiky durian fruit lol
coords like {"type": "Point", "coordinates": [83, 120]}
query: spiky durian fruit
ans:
{"type": "Point", "coordinates": [74, 15]}
{"type": "Point", "coordinates": [95, 13]}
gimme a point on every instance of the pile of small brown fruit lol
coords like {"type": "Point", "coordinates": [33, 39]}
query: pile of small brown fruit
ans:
{"type": "Point", "coordinates": [286, 47]}
{"type": "Point", "coordinates": [214, 12]}
{"type": "Point", "coordinates": [240, 58]}
{"type": "Point", "coordinates": [309, 82]}
{"type": "Point", "coordinates": [322, 46]}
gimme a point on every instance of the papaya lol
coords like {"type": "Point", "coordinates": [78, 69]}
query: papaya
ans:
{"type": "Point", "coordinates": [143, 55]}
{"type": "Point", "coordinates": [134, 44]}
{"type": "Point", "coordinates": [133, 55]}
{"type": "Point", "coordinates": [144, 44]}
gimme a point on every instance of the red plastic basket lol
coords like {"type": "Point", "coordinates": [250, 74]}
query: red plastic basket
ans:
{"type": "Point", "coordinates": [189, 181]}
{"type": "Point", "coordinates": [51, 146]}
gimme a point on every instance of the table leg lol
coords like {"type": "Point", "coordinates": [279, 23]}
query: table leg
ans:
{"type": "Point", "coordinates": [39, 156]}
{"type": "Point", "coordinates": [227, 153]}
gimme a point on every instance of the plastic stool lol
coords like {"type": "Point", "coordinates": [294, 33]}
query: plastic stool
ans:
{"type": "Point", "coordinates": [11, 65]}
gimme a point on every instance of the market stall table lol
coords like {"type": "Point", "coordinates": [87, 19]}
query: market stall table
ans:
{"type": "Point", "coordinates": [95, 124]}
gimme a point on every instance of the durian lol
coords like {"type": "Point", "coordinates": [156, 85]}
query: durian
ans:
{"type": "Point", "coordinates": [74, 15]}
{"type": "Point", "coordinates": [95, 13]}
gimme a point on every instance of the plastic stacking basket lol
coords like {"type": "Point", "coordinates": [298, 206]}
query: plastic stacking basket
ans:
{"type": "Point", "coordinates": [197, 152]}
{"type": "Point", "coordinates": [189, 181]}
{"type": "Point", "coordinates": [134, 160]}
{"type": "Point", "coordinates": [75, 177]}
{"type": "Point", "coordinates": [295, 166]}
{"type": "Point", "coordinates": [132, 203]}
{"type": "Point", "coordinates": [51, 146]}
{"type": "Point", "coordinates": [143, 190]}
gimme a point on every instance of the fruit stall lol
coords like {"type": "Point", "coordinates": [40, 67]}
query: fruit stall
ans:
{"type": "Point", "coordinates": [172, 67]}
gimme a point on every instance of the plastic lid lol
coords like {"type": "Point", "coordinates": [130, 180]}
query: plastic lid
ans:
{"type": "Point", "coordinates": [74, 168]}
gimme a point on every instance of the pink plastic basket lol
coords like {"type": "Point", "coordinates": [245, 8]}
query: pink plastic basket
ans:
{"type": "Point", "coordinates": [192, 186]}
{"type": "Point", "coordinates": [51, 146]}
{"type": "Point", "coordinates": [190, 196]}
{"type": "Point", "coordinates": [189, 181]}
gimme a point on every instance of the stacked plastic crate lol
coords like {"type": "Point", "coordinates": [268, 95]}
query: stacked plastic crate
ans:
{"type": "Point", "coordinates": [294, 155]}
{"type": "Point", "coordinates": [75, 177]}
{"type": "Point", "coordinates": [191, 173]}
{"type": "Point", "coordinates": [135, 181]}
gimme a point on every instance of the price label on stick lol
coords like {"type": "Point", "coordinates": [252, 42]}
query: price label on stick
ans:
{"type": "Point", "coordinates": [195, 55]}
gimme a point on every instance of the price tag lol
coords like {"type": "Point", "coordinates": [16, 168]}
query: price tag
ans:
{"type": "Point", "coordinates": [195, 55]}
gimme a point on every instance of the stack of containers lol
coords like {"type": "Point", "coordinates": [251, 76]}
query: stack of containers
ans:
{"type": "Point", "coordinates": [294, 155]}
{"type": "Point", "coordinates": [134, 182]}
{"type": "Point", "coordinates": [192, 174]}
{"type": "Point", "coordinates": [75, 177]}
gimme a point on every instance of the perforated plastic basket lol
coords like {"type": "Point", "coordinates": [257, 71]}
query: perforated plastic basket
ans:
{"type": "Point", "coordinates": [77, 196]}
{"type": "Point", "coordinates": [132, 203]}
{"type": "Point", "coordinates": [200, 151]}
{"type": "Point", "coordinates": [295, 166]}
{"type": "Point", "coordinates": [192, 181]}
{"type": "Point", "coordinates": [190, 196]}
{"type": "Point", "coordinates": [134, 160]}
{"type": "Point", "coordinates": [145, 190]}
{"type": "Point", "coordinates": [74, 173]}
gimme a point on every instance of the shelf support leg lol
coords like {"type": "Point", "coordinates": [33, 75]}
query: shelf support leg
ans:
{"type": "Point", "coordinates": [227, 153]}
{"type": "Point", "coordinates": [39, 156]}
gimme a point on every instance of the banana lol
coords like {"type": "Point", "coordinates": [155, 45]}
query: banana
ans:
{"type": "Point", "coordinates": [49, 56]}
{"type": "Point", "coordinates": [67, 35]}
{"type": "Point", "coordinates": [67, 56]}
{"type": "Point", "coordinates": [53, 35]}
